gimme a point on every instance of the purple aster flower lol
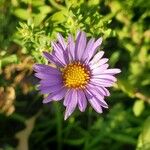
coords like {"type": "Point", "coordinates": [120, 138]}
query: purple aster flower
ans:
{"type": "Point", "coordinates": [79, 74]}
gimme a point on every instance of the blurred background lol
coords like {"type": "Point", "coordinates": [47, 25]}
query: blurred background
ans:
{"type": "Point", "coordinates": [26, 29]}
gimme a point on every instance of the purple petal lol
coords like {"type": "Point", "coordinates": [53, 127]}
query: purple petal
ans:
{"type": "Point", "coordinates": [80, 45]}
{"type": "Point", "coordinates": [101, 89]}
{"type": "Point", "coordinates": [48, 56]}
{"type": "Point", "coordinates": [105, 77]}
{"type": "Point", "coordinates": [71, 105]}
{"type": "Point", "coordinates": [51, 79]}
{"type": "Point", "coordinates": [57, 95]}
{"type": "Point", "coordinates": [68, 97]}
{"type": "Point", "coordinates": [101, 82]}
{"type": "Point", "coordinates": [50, 82]}
{"type": "Point", "coordinates": [82, 101]}
{"type": "Point", "coordinates": [112, 71]}
{"type": "Point", "coordinates": [71, 48]}
{"type": "Point", "coordinates": [97, 57]}
{"type": "Point", "coordinates": [93, 89]}
{"type": "Point", "coordinates": [106, 91]}
{"type": "Point", "coordinates": [56, 47]}
{"type": "Point", "coordinates": [94, 103]}
{"type": "Point", "coordinates": [88, 49]}
{"type": "Point", "coordinates": [99, 63]}
{"type": "Point", "coordinates": [49, 89]}
{"type": "Point", "coordinates": [94, 49]}
{"type": "Point", "coordinates": [61, 41]}
{"type": "Point", "coordinates": [96, 93]}
{"type": "Point", "coordinates": [99, 70]}
{"type": "Point", "coordinates": [59, 53]}
{"type": "Point", "coordinates": [78, 32]}
{"type": "Point", "coordinates": [52, 59]}
{"type": "Point", "coordinates": [43, 75]}
{"type": "Point", "coordinates": [59, 60]}
{"type": "Point", "coordinates": [46, 69]}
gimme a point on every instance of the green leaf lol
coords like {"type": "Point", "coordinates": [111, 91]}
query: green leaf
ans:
{"type": "Point", "coordinates": [59, 17]}
{"type": "Point", "coordinates": [56, 5]}
{"type": "Point", "coordinates": [22, 13]}
{"type": "Point", "coordinates": [34, 2]}
{"type": "Point", "coordinates": [144, 137]}
{"type": "Point", "coordinates": [123, 138]}
{"type": "Point", "coordinates": [38, 18]}
{"type": "Point", "coordinates": [93, 2]}
{"type": "Point", "coordinates": [114, 58]}
{"type": "Point", "coordinates": [8, 60]}
{"type": "Point", "coordinates": [73, 3]}
{"type": "Point", "coordinates": [37, 2]}
{"type": "Point", "coordinates": [138, 107]}
{"type": "Point", "coordinates": [135, 68]}
{"type": "Point", "coordinates": [45, 9]}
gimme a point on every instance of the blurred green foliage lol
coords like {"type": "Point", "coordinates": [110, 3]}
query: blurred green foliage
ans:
{"type": "Point", "coordinates": [26, 29]}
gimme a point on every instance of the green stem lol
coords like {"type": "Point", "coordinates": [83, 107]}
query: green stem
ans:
{"type": "Point", "coordinates": [59, 125]}
{"type": "Point", "coordinates": [86, 146]}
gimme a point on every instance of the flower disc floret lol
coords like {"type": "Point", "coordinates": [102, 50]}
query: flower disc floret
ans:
{"type": "Point", "coordinates": [76, 75]}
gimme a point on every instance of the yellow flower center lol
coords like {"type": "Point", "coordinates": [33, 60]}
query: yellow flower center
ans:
{"type": "Point", "coordinates": [76, 75]}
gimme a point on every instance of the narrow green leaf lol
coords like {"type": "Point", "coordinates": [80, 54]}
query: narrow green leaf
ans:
{"type": "Point", "coordinates": [144, 137]}
{"type": "Point", "coordinates": [8, 60]}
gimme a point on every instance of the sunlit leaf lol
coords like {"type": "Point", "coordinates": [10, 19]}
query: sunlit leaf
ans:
{"type": "Point", "coordinates": [138, 107]}
{"type": "Point", "coordinates": [22, 13]}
